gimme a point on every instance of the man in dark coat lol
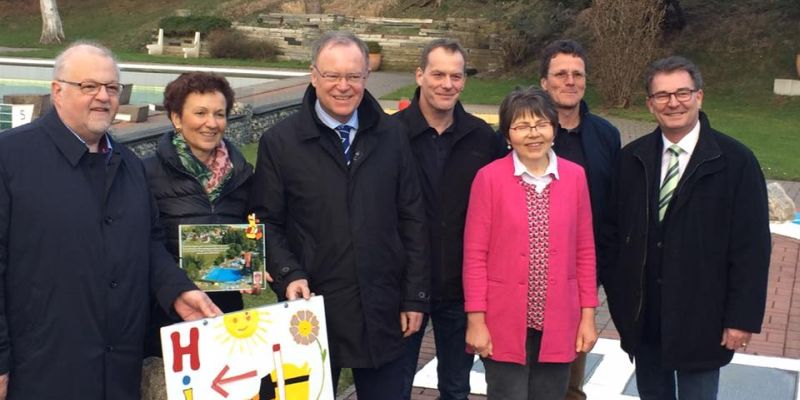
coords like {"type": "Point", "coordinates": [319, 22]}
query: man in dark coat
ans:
{"type": "Point", "coordinates": [690, 242]}
{"type": "Point", "coordinates": [450, 146]}
{"type": "Point", "coordinates": [337, 188]}
{"type": "Point", "coordinates": [583, 138]}
{"type": "Point", "coordinates": [80, 249]}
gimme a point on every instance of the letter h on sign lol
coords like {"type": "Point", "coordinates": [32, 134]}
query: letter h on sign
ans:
{"type": "Point", "coordinates": [192, 350]}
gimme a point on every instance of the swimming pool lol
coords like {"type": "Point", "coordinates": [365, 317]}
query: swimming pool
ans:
{"type": "Point", "coordinates": [33, 76]}
{"type": "Point", "coordinates": [142, 94]}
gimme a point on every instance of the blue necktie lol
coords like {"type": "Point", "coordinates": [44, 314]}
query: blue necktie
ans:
{"type": "Point", "coordinates": [344, 132]}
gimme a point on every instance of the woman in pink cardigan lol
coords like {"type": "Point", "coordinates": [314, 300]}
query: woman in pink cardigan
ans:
{"type": "Point", "coordinates": [529, 264]}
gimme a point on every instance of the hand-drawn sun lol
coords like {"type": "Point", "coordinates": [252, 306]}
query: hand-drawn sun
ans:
{"type": "Point", "coordinates": [244, 330]}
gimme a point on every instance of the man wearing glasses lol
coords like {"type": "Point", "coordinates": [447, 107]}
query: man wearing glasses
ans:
{"type": "Point", "coordinates": [80, 250]}
{"type": "Point", "coordinates": [689, 241]}
{"type": "Point", "coordinates": [337, 187]}
{"type": "Point", "coordinates": [583, 138]}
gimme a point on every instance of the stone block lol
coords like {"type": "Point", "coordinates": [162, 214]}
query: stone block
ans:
{"type": "Point", "coordinates": [41, 102]}
{"type": "Point", "coordinates": [154, 386]}
{"type": "Point", "coordinates": [125, 96]}
{"type": "Point", "coordinates": [786, 87]}
{"type": "Point", "coordinates": [133, 113]}
{"type": "Point", "coordinates": [781, 206]}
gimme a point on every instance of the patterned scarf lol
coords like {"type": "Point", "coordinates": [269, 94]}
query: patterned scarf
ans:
{"type": "Point", "coordinates": [212, 176]}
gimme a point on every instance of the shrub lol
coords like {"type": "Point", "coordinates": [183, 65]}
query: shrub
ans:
{"type": "Point", "coordinates": [233, 44]}
{"type": "Point", "coordinates": [374, 47]}
{"type": "Point", "coordinates": [626, 34]}
{"type": "Point", "coordinates": [181, 26]}
{"type": "Point", "coordinates": [532, 25]}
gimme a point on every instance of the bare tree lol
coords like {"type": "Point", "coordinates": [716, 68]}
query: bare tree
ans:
{"type": "Point", "coordinates": [52, 31]}
{"type": "Point", "coordinates": [626, 35]}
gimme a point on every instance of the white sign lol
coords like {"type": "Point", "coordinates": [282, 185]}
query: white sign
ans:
{"type": "Point", "coordinates": [21, 114]}
{"type": "Point", "coordinates": [272, 352]}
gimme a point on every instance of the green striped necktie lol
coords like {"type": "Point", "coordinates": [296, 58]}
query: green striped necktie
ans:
{"type": "Point", "coordinates": [670, 181]}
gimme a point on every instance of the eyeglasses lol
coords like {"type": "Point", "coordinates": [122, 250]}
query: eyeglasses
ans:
{"type": "Point", "coordinates": [564, 75]}
{"type": "Point", "coordinates": [529, 129]}
{"type": "Point", "coordinates": [682, 95]}
{"type": "Point", "coordinates": [333, 77]}
{"type": "Point", "coordinates": [92, 87]}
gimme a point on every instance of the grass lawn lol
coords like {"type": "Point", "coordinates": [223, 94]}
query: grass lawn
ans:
{"type": "Point", "coordinates": [125, 27]}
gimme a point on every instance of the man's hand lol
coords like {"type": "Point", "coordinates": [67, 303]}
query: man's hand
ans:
{"type": "Point", "coordinates": [3, 386]}
{"type": "Point", "coordinates": [478, 337]}
{"type": "Point", "coordinates": [194, 304]}
{"type": "Point", "coordinates": [732, 339]}
{"type": "Point", "coordinates": [410, 322]}
{"type": "Point", "coordinates": [298, 289]}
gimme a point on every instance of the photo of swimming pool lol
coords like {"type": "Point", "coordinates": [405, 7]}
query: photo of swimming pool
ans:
{"type": "Point", "coordinates": [223, 257]}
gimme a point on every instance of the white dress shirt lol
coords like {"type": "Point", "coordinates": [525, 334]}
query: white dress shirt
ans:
{"type": "Point", "coordinates": [687, 144]}
{"type": "Point", "coordinates": [539, 182]}
{"type": "Point", "coordinates": [332, 123]}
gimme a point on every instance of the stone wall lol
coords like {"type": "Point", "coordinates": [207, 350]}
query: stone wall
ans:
{"type": "Point", "coordinates": [246, 124]}
{"type": "Point", "coordinates": [402, 39]}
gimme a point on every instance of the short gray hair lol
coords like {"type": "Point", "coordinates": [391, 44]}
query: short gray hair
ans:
{"type": "Point", "coordinates": [339, 38]}
{"type": "Point", "coordinates": [93, 47]}
{"type": "Point", "coordinates": [451, 45]}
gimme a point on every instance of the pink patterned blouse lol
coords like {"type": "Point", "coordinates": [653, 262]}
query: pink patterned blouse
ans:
{"type": "Point", "coordinates": [538, 205]}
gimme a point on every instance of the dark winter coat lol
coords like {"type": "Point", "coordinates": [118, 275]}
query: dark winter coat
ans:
{"type": "Point", "coordinates": [183, 200]}
{"type": "Point", "coordinates": [474, 144]}
{"type": "Point", "coordinates": [601, 144]}
{"type": "Point", "coordinates": [715, 246]}
{"type": "Point", "coordinates": [355, 232]}
{"type": "Point", "coordinates": [80, 257]}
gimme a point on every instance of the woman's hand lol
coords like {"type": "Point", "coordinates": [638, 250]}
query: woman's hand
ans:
{"type": "Point", "coordinates": [478, 337]}
{"type": "Point", "coordinates": [587, 333]}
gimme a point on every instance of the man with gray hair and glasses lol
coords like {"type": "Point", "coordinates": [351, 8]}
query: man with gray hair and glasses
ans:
{"type": "Point", "coordinates": [688, 242]}
{"type": "Point", "coordinates": [337, 188]}
{"type": "Point", "coordinates": [81, 252]}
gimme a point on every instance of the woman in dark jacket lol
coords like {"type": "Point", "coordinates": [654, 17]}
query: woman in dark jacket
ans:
{"type": "Point", "coordinates": [196, 176]}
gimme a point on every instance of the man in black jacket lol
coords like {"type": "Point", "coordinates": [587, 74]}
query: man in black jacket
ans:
{"type": "Point", "coordinates": [450, 146]}
{"type": "Point", "coordinates": [690, 243]}
{"type": "Point", "coordinates": [583, 138]}
{"type": "Point", "coordinates": [337, 187]}
{"type": "Point", "coordinates": [81, 250]}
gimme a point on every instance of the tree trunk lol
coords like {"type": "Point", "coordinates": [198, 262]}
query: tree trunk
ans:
{"type": "Point", "coordinates": [313, 6]}
{"type": "Point", "coordinates": [52, 31]}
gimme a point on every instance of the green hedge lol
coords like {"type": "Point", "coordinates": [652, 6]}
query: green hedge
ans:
{"type": "Point", "coordinates": [189, 25]}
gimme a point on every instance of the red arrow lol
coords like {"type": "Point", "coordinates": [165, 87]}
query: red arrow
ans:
{"type": "Point", "coordinates": [220, 380]}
